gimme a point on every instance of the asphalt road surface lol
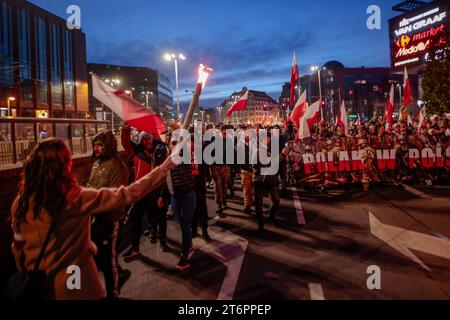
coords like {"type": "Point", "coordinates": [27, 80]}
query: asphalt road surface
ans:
{"type": "Point", "coordinates": [322, 249]}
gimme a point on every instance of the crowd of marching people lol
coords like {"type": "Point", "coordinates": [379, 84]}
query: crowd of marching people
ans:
{"type": "Point", "coordinates": [150, 185]}
{"type": "Point", "coordinates": [368, 137]}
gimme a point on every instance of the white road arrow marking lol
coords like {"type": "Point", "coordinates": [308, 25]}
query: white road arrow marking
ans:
{"type": "Point", "coordinates": [316, 291]}
{"type": "Point", "coordinates": [403, 240]}
{"type": "Point", "coordinates": [231, 253]}
{"type": "Point", "coordinates": [298, 206]}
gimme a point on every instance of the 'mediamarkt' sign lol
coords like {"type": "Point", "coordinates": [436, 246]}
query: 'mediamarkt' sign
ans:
{"type": "Point", "coordinates": [414, 33]}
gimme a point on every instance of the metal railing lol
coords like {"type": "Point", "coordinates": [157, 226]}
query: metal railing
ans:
{"type": "Point", "coordinates": [19, 136]}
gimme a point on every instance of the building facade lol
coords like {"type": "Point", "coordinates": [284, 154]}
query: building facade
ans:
{"type": "Point", "coordinates": [261, 108]}
{"type": "Point", "coordinates": [147, 86]}
{"type": "Point", "coordinates": [364, 90]}
{"type": "Point", "coordinates": [42, 64]}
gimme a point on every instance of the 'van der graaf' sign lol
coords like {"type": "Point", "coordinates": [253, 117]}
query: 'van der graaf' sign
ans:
{"type": "Point", "coordinates": [413, 34]}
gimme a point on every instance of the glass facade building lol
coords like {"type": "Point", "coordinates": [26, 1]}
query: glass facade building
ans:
{"type": "Point", "coordinates": [42, 63]}
{"type": "Point", "coordinates": [147, 86]}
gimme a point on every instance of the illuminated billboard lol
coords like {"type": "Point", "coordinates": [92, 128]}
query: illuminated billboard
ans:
{"type": "Point", "coordinates": [414, 33]}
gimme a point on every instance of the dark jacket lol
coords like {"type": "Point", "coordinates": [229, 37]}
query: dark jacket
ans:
{"type": "Point", "coordinates": [183, 181]}
{"type": "Point", "coordinates": [108, 171]}
{"type": "Point", "coordinates": [258, 177]}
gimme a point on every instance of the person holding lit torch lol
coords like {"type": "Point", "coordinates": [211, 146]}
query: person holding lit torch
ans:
{"type": "Point", "coordinates": [181, 182]}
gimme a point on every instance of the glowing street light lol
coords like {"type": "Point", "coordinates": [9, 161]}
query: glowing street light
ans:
{"type": "Point", "coordinates": [220, 113]}
{"type": "Point", "coordinates": [174, 57]}
{"type": "Point", "coordinates": [8, 101]}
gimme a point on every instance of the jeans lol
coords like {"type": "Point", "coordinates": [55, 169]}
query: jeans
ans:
{"type": "Point", "coordinates": [183, 209]}
{"type": "Point", "coordinates": [201, 210]}
{"type": "Point", "coordinates": [139, 209]}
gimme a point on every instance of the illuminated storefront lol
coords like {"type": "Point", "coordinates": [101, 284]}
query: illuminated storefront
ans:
{"type": "Point", "coordinates": [413, 33]}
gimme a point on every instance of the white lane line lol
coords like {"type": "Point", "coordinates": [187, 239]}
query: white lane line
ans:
{"type": "Point", "coordinates": [298, 206]}
{"type": "Point", "coordinates": [316, 291]}
{"type": "Point", "coordinates": [423, 195]}
{"type": "Point", "coordinates": [416, 192]}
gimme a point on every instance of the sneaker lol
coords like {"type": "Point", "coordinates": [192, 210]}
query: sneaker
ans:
{"type": "Point", "coordinates": [123, 277]}
{"type": "Point", "coordinates": [191, 253]}
{"type": "Point", "coordinates": [130, 254]}
{"type": "Point", "coordinates": [260, 232]}
{"type": "Point", "coordinates": [274, 221]}
{"type": "Point", "coordinates": [221, 215]}
{"type": "Point", "coordinates": [183, 264]}
{"type": "Point", "coordinates": [163, 246]}
{"type": "Point", "coordinates": [205, 235]}
{"type": "Point", "coordinates": [195, 234]}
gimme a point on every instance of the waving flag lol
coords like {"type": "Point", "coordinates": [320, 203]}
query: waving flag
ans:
{"type": "Point", "coordinates": [240, 105]}
{"type": "Point", "coordinates": [407, 96]}
{"type": "Point", "coordinates": [342, 118]}
{"type": "Point", "coordinates": [310, 117]}
{"type": "Point", "coordinates": [422, 115]}
{"type": "Point", "coordinates": [299, 109]}
{"type": "Point", "coordinates": [390, 109]}
{"type": "Point", "coordinates": [294, 79]}
{"type": "Point", "coordinates": [131, 112]}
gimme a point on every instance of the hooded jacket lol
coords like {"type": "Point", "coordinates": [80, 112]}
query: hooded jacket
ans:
{"type": "Point", "coordinates": [108, 170]}
{"type": "Point", "coordinates": [145, 160]}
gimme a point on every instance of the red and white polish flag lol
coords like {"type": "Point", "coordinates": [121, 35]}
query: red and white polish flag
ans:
{"type": "Point", "coordinates": [390, 109]}
{"type": "Point", "coordinates": [131, 112]}
{"type": "Point", "coordinates": [342, 118]}
{"type": "Point", "coordinates": [310, 117]}
{"type": "Point", "coordinates": [240, 105]}
{"type": "Point", "coordinates": [299, 109]}
{"type": "Point", "coordinates": [294, 78]}
{"type": "Point", "coordinates": [407, 95]}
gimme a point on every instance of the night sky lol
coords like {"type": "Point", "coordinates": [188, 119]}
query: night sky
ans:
{"type": "Point", "coordinates": [248, 43]}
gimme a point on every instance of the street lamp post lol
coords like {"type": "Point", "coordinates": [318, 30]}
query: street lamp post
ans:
{"type": "Point", "coordinates": [146, 93]}
{"type": "Point", "coordinates": [220, 113]}
{"type": "Point", "coordinates": [174, 57]}
{"type": "Point", "coordinates": [316, 68]}
{"type": "Point", "coordinates": [8, 102]}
